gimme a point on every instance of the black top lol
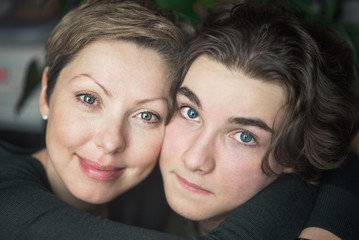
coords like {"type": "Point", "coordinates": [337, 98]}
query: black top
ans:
{"type": "Point", "coordinates": [29, 210]}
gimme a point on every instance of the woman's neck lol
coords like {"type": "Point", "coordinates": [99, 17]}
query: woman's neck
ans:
{"type": "Point", "coordinates": [59, 189]}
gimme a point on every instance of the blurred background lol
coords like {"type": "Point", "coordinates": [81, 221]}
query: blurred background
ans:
{"type": "Point", "coordinates": [26, 24]}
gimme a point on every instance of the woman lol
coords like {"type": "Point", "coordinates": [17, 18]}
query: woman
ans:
{"type": "Point", "coordinates": [104, 95]}
{"type": "Point", "coordinates": [278, 99]}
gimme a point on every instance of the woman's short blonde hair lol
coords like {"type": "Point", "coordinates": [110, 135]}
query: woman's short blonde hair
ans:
{"type": "Point", "coordinates": [97, 20]}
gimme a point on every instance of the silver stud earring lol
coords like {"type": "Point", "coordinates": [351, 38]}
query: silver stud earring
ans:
{"type": "Point", "coordinates": [44, 117]}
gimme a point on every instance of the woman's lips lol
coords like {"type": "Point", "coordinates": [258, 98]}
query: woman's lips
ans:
{"type": "Point", "coordinates": [191, 186]}
{"type": "Point", "coordinates": [96, 171]}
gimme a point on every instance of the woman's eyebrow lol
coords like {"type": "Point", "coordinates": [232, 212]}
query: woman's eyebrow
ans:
{"type": "Point", "coordinates": [147, 100]}
{"type": "Point", "coordinates": [251, 122]}
{"type": "Point", "coordinates": [95, 81]}
{"type": "Point", "coordinates": [190, 95]}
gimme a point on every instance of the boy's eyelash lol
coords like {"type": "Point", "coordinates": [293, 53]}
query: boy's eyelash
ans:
{"type": "Point", "coordinates": [180, 106]}
{"type": "Point", "coordinates": [252, 135]}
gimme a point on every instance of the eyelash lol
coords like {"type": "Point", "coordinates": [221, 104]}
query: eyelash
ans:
{"type": "Point", "coordinates": [159, 119]}
{"type": "Point", "coordinates": [254, 139]}
{"type": "Point", "coordinates": [187, 117]}
{"type": "Point", "coordinates": [81, 98]}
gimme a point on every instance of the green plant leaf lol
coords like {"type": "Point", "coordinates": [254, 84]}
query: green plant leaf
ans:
{"type": "Point", "coordinates": [31, 81]}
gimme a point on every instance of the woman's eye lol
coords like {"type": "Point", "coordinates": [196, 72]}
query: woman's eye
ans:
{"type": "Point", "coordinates": [245, 138]}
{"type": "Point", "coordinates": [189, 113]}
{"type": "Point", "coordinates": [87, 98]}
{"type": "Point", "coordinates": [146, 116]}
{"type": "Point", "coordinates": [149, 117]}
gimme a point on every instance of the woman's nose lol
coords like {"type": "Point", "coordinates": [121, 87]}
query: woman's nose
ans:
{"type": "Point", "coordinates": [111, 136]}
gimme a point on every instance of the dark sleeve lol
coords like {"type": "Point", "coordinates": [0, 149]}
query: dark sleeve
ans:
{"type": "Point", "coordinates": [337, 206]}
{"type": "Point", "coordinates": [277, 212]}
{"type": "Point", "coordinates": [30, 211]}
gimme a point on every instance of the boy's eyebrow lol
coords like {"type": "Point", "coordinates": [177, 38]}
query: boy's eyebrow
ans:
{"type": "Point", "coordinates": [251, 122]}
{"type": "Point", "coordinates": [190, 95]}
{"type": "Point", "coordinates": [237, 120]}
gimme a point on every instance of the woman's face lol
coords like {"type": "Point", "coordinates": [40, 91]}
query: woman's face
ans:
{"type": "Point", "coordinates": [212, 154]}
{"type": "Point", "coordinates": [105, 120]}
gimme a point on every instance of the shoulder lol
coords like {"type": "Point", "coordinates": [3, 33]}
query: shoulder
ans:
{"type": "Point", "coordinates": [23, 183]}
{"type": "Point", "coordinates": [18, 164]}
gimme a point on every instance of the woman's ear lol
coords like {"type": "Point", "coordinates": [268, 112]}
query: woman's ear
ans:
{"type": "Point", "coordinates": [43, 103]}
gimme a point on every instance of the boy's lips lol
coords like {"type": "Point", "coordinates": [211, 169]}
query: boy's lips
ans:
{"type": "Point", "coordinates": [99, 172]}
{"type": "Point", "coordinates": [191, 186]}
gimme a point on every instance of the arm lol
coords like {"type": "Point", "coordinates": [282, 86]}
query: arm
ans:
{"type": "Point", "coordinates": [336, 212]}
{"type": "Point", "coordinates": [31, 211]}
{"type": "Point", "coordinates": [277, 212]}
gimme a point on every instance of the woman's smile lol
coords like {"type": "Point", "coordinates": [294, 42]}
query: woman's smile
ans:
{"type": "Point", "coordinates": [99, 172]}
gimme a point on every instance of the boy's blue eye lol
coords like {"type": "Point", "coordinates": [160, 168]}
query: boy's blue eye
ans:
{"type": "Point", "coordinates": [191, 113]}
{"type": "Point", "coordinates": [246, 137]}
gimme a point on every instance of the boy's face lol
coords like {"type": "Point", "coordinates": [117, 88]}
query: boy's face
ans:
{"type": "Point", "coordinates": [211, 159]}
